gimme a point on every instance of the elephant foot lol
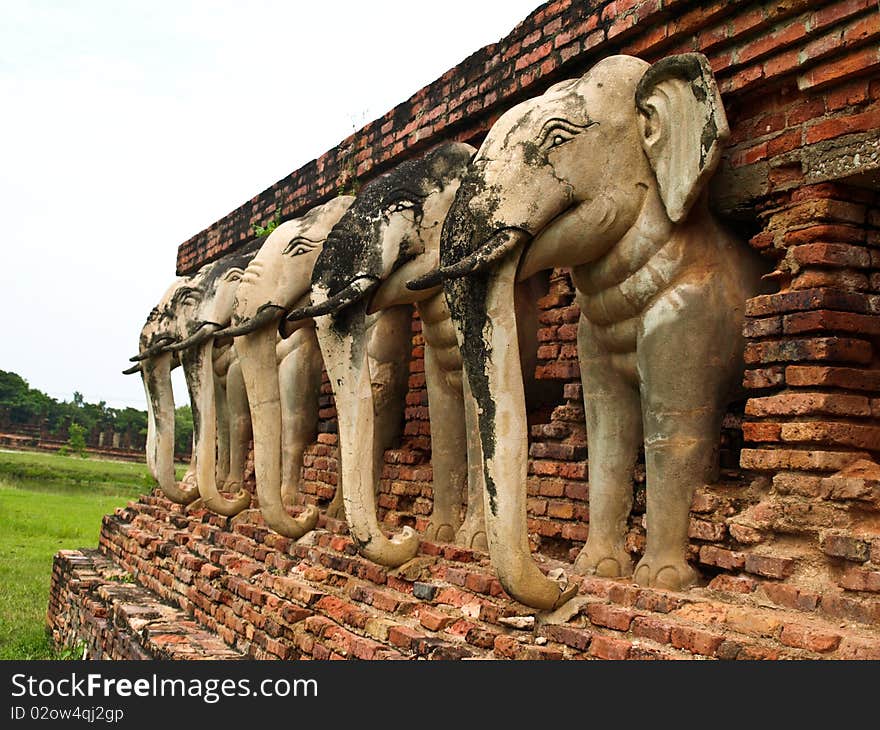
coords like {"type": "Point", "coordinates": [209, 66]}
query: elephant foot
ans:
{"type": "Point", "coordinates": [670, 572]}
{"type": "Point", "coordinates": [606, 561]}
{"type": "Point", "coordinates": [438, 531]}
{"type": "Point", "coordinates": [472, 534]}
{"type": "Point", "coordinates": [336, 508]}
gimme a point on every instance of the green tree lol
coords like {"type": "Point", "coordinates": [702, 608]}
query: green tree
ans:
{"type": "Point", "coordinates": [183, 430]}
{"type": "Point", "coordinates": [76, 439]}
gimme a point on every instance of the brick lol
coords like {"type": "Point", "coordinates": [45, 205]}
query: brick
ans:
{"type": "Point", "coordinates": [857, 579]}
{"type": "Point", "coordinates": [837, 127]}
{"type": "Point", "coordinates": [856, 63]}
{"type": "Point", "coordinates": [613, 617]}
{"type": "Point", "coordinates": [762, 327]}
{"type": "Point", "coordinates": [575, 638]}
{"type": "Point", "coordinates": [606, 647]}
{"type": "Point", "coordinates": [845, 546]}
{"type": "Point", "coordinates": [850, 607]}
{"type": "Point", "coordinates": [812, 460]}
{"type": "Point", "coordinates": [808, 404]}
{"type": "Point", "coordinates": [833, 434]}
{"type": "Point", "coordinates": [762, 432]}
{"type": "Point", "coordinates": [836, 377]}
{"type": "Point", "coordinates": [760, 378]}
{"type": "Point", "coordinates": [828, 321]}
{"type": "Point", "coordinates": [830, 254]}
{"type": "Point", "coordinates": [804, 300]}
{"type": "Point", "coordinates": [839, 349]}
{"type": "Point", "coordinates": [791, 596]}
{"type": "Point", "coordinates": [404, 637]}
{"type": "Point", "coordinates": [722, 558]}
{"type": "Point", "coordinates": [730, 584]}
{"type": "Point", "coordinates": [751, 621]}
{"type": "Point", "coordinates": [696, 641]}
{"type": "Point", "coordinates": [859, 648]}
{"type": "Point", "coordinates": [803, 637]}
{"type": "Point", "coordinates": [434, 620]}
{"type": "Point", "coordinates": [705, 530]}
{"type": "Point", "coordinates": [769, 566]}
{"type": "Point", "coordinates": [649, 627]}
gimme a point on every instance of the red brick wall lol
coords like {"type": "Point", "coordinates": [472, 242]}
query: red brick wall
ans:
{"type": "Point", "coordinates": [801, 84]}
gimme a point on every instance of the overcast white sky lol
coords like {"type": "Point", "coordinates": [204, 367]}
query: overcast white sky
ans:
{"type": "Point", "coordinates": [125, 128]}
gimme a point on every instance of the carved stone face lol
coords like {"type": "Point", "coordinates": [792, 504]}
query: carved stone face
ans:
{"type": "Point", "coordinates": [584, 156]}
{"type": "Point", "coordinates": [280, 274]}
{"type": "Point", "coordinates": [161, 317]}
{"type": "Point", "coordinates": [209, 297]}
{"type": "Point", "coordinates": [395, 221]}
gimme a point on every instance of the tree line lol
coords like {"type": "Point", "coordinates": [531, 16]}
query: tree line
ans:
{"type": "Point", "coordinates": [26, 410]}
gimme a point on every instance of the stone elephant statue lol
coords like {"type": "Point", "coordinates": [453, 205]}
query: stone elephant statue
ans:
{"type": "Point", "coordinates": [390, 234]}
{"type": "Point", "coordinates": [155, 365]}
{"type": "Point", "coordinates": [282, 375]}
{"type": "Point", "coordinates": [605, 174]}
{"type": "Point", "coordinates": [221, 420]}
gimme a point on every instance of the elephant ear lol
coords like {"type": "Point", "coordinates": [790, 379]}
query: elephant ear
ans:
{"type": "Point", "coordinates": [683, 127]}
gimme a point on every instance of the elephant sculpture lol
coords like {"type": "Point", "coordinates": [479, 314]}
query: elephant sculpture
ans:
{"type": "Point", "coordinates": [390, 234]}
{"type": "Point", "coordinates": [605, 174]}
{"type": "Point", "coordinates": [155, 365]}
{"type": "Point", "coordinates": [221, 417]}
{"type": "Point", "coordinates": [282, 376]}
{"type": "Point", "coordinates": [182, 330]}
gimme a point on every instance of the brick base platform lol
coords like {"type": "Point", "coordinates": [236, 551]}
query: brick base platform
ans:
{"type": "Point", "coordinates": [166, 583]}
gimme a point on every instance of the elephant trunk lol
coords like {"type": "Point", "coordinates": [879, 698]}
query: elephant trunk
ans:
{"type": "Point", "coordinates": [156, 374]}
{"type": "Point", "coordinates": [199, 370]}
{"type": "Point", "coordinates": [265, 316]}
{"type": "Point", "coordinates": [159, 345]}
{"type": "Point", "coordinates": [356, 291]}
{"type": "Point", "coordinates": [151, 432]}
{"type": "Point", "coordinates": [482, 307]}
{"type": "Point", "coordinates": [343, 342]}
{"type": "Point", "coordinates": [204, 332]}
{"type": "Point", "coordinates": [256, 352]}
{"type": "Point", "coordinates": [501, 243]}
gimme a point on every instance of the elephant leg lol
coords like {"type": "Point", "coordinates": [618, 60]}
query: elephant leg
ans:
{"type": "Point", "coordinates": [299, 374]}
{"type": "Point", "coordinates": [222, 406]}
{"type": "Point", "coordinates": [683, 396]}
{"type": "Point", "coordinates": [448, 438]}
{"type": "Point", "coordinates": [388, 349]}
{"type": "Point", "coordinates": [240, 432]}
{"type": "Point", "coordinates": [614, 433]}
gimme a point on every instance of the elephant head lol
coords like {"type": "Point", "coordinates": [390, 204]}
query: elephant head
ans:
{"type": "Point", "coordinates": [155, 365]}
{"type": "Point", "coordinates": [605, 174]}
{"type": "Point", "coordinates": [202, 307]}
{"type": "Point", "coordinates": [361, 306]}
{"type": "Point", "coordinates": [283, 379]}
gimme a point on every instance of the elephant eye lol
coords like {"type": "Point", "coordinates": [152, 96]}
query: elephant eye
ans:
{"type": "Point", "coordinates": [233, 275]}
{"type": "Point", "coordinates": [556, 132]}
{"type": "Point", "coordinates": [400, 205]}
{"type": "Point", "coordinates": [299, 246]}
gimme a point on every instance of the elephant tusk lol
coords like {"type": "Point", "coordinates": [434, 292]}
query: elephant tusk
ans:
{"type": "Point", "coordinates": [356, 290]}
{"type": "Point", "coordinates": [497, 247]}
{"type": "Point", "coordinates": [154, 349]}
{"type": "Point", "coordinates": [132, 370]}
{"type": "Point", "coordinates": [204, 331]}
{"type": "Point", "coordinates": [266, 314]}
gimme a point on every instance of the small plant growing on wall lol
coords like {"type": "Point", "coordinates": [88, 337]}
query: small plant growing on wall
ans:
{"type": "Point", "coordinates": [263, 231]}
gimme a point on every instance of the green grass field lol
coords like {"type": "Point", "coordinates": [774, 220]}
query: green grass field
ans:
{"type": "Point", "coordinates": [48, 503]}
